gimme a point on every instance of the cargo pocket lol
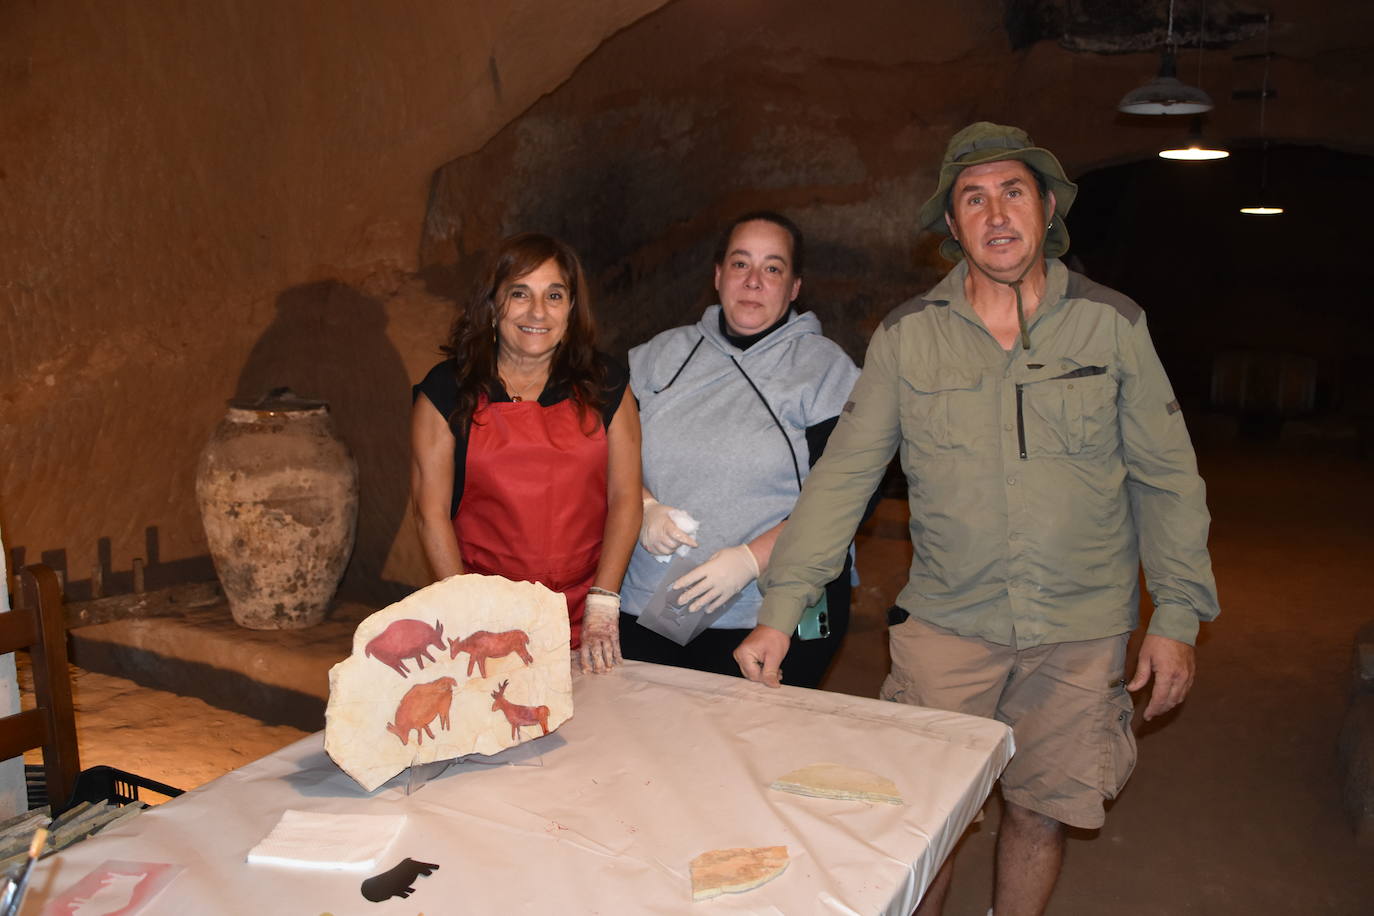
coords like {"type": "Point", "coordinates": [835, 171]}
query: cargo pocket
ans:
{"type": "Point", "coordinates": [894, 690]}
{"type": "Point", "coordinates": [1072, 413]}
{"type": "Point", "coordinates": [928, 398]}
{"type": "Point", "coordinates": [896, 686]}
{"type": "Point", "coordinates": [1119, 748]}
{"type": "Point", "coordinates": [1094, 405]}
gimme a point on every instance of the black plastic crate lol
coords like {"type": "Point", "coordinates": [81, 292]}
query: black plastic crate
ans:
{"type": "Point", "coordinates": [36, 785]}
{"type": "Point", "coordinates": [95, 785]}
{"type": "Point", "coordinates": [108, 784]}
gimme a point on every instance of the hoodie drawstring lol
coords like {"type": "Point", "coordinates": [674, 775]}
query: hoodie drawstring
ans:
{"type": "Point", "coordinates": [693, 352]}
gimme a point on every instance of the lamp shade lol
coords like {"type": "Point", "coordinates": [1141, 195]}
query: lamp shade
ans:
{"type": "Point", "coordinates": [1165, 94]}
{"type": "Point", "coordinates": [1195, 153]}
{"type": "Point", "coordinates": [1195, 147]}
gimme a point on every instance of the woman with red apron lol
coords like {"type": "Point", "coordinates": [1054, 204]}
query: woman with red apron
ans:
{"type": "Point", "coordinates": [526, 452]}
{"type": "Point", "coordinates": [534, 503]}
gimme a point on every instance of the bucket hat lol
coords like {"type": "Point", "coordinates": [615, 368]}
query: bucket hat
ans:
{"type": "Point", "coordinates": [982, 142]}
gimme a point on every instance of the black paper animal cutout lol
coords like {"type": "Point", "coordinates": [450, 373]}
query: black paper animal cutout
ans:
{"type": "Point", "coordinates": [397, 881]}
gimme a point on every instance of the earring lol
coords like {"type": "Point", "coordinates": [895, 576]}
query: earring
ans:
{"type": "Point", "coordinates": [1050, 224]}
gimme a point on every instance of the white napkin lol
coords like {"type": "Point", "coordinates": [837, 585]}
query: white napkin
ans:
{"type": "Point", "coordinates": [352, 842]}
{"type": "Point", "coordinates": [688, 525]}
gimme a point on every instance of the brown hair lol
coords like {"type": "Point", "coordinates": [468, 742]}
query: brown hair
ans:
{"type": "Point", "coordinates": [472, 342]}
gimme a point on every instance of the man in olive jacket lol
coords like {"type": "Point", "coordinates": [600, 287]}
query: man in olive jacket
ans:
{"type": "Point", "coordinates": [1046, 460]}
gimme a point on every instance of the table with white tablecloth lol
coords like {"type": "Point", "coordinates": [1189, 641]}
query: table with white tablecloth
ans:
{"type": "Point", "coordinates": [656, 766]}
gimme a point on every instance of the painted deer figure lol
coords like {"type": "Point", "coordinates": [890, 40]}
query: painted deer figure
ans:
{"type": "Point", "coordinates": [483, 645]}
{"type": "Point", "coordinates": [519, 716]}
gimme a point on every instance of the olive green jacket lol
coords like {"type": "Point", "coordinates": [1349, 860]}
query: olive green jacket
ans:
{"type": "Point", "coordinates": [1039, 480]}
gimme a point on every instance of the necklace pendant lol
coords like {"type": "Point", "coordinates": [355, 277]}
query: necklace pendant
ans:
{"type": "Point", "coordinates": [516, 398]}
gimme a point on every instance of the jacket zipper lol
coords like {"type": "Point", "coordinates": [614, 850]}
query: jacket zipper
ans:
{"type": "Point", "coordinates": [1020, 423]}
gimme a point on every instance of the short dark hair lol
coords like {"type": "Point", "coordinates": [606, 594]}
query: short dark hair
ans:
{"type": "Point", "coordinates": [767, 216]}
{"type": "Point", "coordinates": [1040, 183]}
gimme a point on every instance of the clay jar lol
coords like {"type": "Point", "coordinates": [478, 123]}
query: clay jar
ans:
{"type": "Point", "coordinates": [278, 494]}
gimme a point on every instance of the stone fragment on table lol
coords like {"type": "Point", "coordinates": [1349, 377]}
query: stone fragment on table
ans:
{"type": "Point", "coordinates": [734, 871]}
{"type": "Point", "coordinates": [470, 665]}
{"type": "Point", "coordinates": [833, 780]}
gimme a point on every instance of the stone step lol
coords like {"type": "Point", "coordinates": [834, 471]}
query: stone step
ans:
{"type": "Point", "coordinates": [278, 676]}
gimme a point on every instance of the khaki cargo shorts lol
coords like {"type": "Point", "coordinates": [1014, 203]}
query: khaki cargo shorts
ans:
{"type": "Point", "coordinates": [1066, 703]}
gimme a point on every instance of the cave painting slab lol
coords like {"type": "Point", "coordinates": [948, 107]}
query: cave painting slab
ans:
{"type": "Point", "coordinates": [470, 665]}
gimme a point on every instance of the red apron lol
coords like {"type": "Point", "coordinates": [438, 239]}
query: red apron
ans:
{"type": "Point", "coordinates": [534, 498]}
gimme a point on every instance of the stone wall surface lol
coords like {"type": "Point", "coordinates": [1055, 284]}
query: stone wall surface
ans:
{"type": "Point", "coordinates": [210, 200]}
{"type": "Point", "coordinates": [206, 198]}
{"type": "Point", "coordinates": [839, 119]}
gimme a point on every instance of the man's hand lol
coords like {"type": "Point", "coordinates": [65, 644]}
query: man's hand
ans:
{"type": "Point", "coordinates": [718, 579]}
{"type": "Point", "coordinates": [1173, 665]}
{"type": "Point", "coordinates": [761, 653]}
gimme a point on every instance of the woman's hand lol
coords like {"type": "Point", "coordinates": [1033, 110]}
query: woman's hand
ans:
{"type": "Point", "coordinates": [600, 649]}
{"type": "Point", "coordinates": [718, 579]}
{"type": "Point", "coordinates": [662, 532]}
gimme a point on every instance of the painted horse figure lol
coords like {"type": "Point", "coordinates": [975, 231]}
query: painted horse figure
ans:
{"type": "Point", "coordinates": [483, 645]}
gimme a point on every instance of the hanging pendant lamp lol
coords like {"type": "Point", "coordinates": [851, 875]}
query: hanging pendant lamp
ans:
{"type": "Point", "coordinates": [1265, 206]}
{"type": "Point", "coordinates": [1166, 94]}
{"type": "Point", "coordinates": [1195, 148]}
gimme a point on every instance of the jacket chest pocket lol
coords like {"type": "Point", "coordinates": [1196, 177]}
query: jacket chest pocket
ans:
{"type": "Point", "coordinates": [1072, 414]}
{"type": "Point", "coordinates": [941, 412]}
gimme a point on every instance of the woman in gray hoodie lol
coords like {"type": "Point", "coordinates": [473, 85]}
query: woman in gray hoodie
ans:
{"type": "Point", "coordinates": [735, 410]}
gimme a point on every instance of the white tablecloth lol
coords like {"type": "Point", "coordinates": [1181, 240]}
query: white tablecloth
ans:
{"type": "Point", "coordinates": [656, 766]}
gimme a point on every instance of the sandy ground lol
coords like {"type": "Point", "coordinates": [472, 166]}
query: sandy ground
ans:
{"type": "Point", "coordinates": [182, 741]}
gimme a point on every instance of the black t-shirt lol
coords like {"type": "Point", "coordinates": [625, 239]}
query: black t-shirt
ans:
{"type": "Point", "coordinates": [440, 385]}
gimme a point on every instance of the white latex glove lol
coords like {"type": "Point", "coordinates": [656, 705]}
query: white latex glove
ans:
{"type": "Point", "coordinates": [600, 649]}
{"type": "Point", "coordinates": [714, 582]}
{"type": "Point", "coordinates": [666, 529]}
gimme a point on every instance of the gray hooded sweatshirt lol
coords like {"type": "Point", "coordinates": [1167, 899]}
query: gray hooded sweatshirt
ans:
{"type": "Point", "coordinates": [710, 446]}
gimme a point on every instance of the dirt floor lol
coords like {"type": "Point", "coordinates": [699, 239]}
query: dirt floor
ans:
{"type": "Point", "coordinates": [181, 741]}
{"type": "Point", "coordinates": [1234, 807]}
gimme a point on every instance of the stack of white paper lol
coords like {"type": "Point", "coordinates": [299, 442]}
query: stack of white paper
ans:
{"type": "Point", "coordinates": [352, 842]}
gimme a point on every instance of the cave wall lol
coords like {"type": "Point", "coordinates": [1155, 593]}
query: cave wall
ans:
{"type": "Point", "coordinates": [204, 201]}
{"type": "Point", "coordinates": [1220, 283]}
{"type": "Point", "coordinates": [839, 119]}
{"type": "Point", "coordinates": [206, 198]}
